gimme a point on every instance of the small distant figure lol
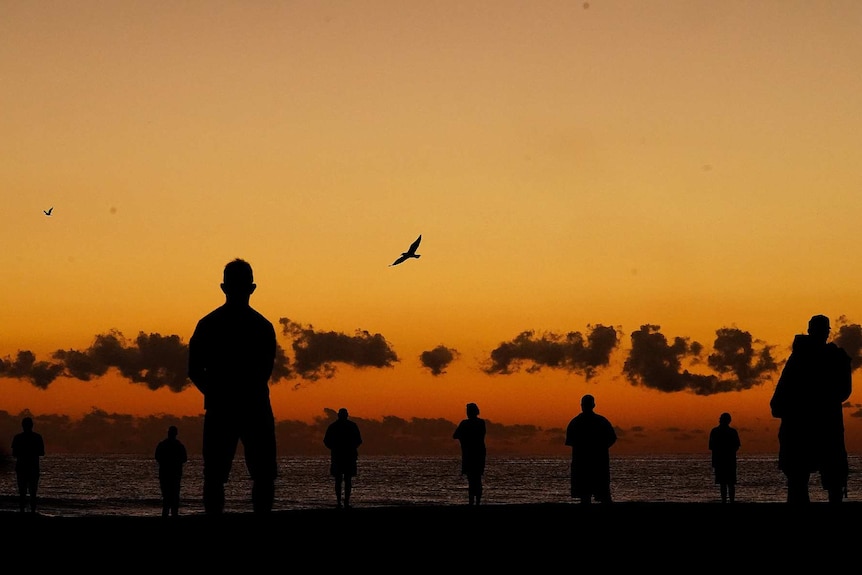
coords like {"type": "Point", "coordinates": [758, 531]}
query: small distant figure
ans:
{"type": "Point", "coordinates": [48, 211]}
{"type": "Point", "coordinates": [343, 439]}
{"type": "Point", "coordinates": [590, 436]}
{"type": "Point", "coordinates": [724, 443]}
{"type": "Point", "coordinates": [231, 358]}
{"type": "Point", "coordinates": [808, 398]}
{"type": "Point", "coordinates": [410, 253]}
{"type": "Point", "coordinates": [27, 447]}
{"type": "Point", "coordinates": [171, 456]}
{"type": "Point", "coordinates": [471, 433]}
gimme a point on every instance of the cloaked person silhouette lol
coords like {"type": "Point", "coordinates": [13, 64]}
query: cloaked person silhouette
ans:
{"type": "Point", "coordinates": [231, 358]}
{"type": "Point", "coordinates": [343, 439]}
{"type": "Point", "coordinates": [808, 398]}
{"type": "Point", "coordinates": [590, 436]}
{"type": "Point", "coordinates": [27, 447]}
{"type": "Point", "coordinates": [471, 435]}
{"type": "Point", "coordinates": [724, 443]}
{"type": "Point", "coordinates": [171, 455]}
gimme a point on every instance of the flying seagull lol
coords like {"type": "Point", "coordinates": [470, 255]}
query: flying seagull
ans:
{"type": "Point", "coordinates": [411, 253]}
{"type": "Point", "coordinates": [48, 211]}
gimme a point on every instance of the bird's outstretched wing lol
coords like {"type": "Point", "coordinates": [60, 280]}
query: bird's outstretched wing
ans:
{"type": "Point", "coordinates": [415, 245]}
{"type": "Point", "coordinates": [48, 211]}
{"type": "Point", "coordinates": [398, 261]}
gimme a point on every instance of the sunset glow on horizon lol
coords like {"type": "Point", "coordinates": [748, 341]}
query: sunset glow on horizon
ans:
{"type": "Point", "coordinates": [589, 181]}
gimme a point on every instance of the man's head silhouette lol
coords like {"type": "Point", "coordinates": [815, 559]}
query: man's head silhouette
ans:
{"type": "Point", "coordinates": [818, 328]}
{"type": "Point", "coordinates": [588, 403]}
{"type": "Point", "coordinates": [238, 284]}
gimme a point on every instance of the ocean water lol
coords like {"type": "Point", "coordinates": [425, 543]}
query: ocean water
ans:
{"type": "Point", "coordinates": [127, 484]}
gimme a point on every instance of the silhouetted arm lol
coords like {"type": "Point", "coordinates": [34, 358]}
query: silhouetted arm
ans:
{"type": "Point", "coordinates": [612, 435]}
{"type": "Point", "coordinates": [269, 346]}
{"type": "Point", "coordinates": [358, 439]}
{"type": "Point", "coordinates": [778, 403]}
{"type": "Point", "coordinates": [327, 438]}
{"type": "Point", "coordinates": [197, 367]}
{"type": "Point", "coordinates": [846, 381]}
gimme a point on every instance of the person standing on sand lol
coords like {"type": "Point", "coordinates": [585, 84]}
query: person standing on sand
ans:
{"type": "Point", "coordinates": [471, 434]}
{"type": "Point", "coordinates": [724, 443]}
{"type": "Point", "coordinates": [343, 439]}
{"type": "Point", "coordinates": [27, 447]}
{"type": "Point", "coordinates": [590, 436]}
{"type": "Point", "coordinates": [231, 358]}
{"type": "Point", "coordinates": [171, 455]}
{"type": "Point", "coordinates": [808, 398]}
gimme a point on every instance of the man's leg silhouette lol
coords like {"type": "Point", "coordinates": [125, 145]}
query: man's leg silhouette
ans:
{"type": "Point", "coordinates": [213, 496]}
{"type": "Point", "coordinates": [263, 495]}
{"type": "Point", "coordinates": [797, 488]}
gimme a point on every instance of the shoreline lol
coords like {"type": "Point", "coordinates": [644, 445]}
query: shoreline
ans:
{"type": "Point", "coordinates": [440, 535]}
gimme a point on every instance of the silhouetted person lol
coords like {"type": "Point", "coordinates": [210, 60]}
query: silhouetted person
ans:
{"type": "Point", "coordinates": [231, 358]}
{"type": "Point", "coordinates": [27, 447]}
{"type": "Point", "coordinates": [171, 455]}
{"type": "Point", "coordinates": [815, 382]}
{"type": "Point", "coordinates": [590, 436]}
{"type": "Point", "coordinates": [724, 443]}
{"type": "Point", "coordinates": [343, 439]}
{"type": "Point", "coordinates": [471, 434]}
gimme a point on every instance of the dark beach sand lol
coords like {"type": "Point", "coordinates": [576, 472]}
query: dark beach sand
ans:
{"type": "Point", "coordinates": [672, 536]}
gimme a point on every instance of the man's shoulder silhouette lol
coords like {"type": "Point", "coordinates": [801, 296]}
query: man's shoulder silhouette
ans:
{"type": "Point", "coordinates": [838, 351]}
{"type": "Point", "coordinates": [235, 316]}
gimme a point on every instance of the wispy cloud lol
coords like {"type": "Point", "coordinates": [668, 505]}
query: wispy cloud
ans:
{"type": "Point", "coordinates": [572, 352]}
{"type": "Point", "coordinates": [154, 360]}
{"type": "Point", "coordinates": [849, 337]}
{"type": "Point", "coordinates": [737, 362]}
{"type": "Point", "coordinates": [25, 366]}
{"type": "Point", "coordinates": [317, 352]}
{"type": "Point", "coordinates": [438, 359]}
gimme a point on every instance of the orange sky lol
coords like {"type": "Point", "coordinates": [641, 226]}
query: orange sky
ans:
{"type": "Point", "coordinates": [689, 165]}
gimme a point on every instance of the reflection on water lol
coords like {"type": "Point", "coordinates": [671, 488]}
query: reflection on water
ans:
{"type": "Point", "coordinates": [127, 484]}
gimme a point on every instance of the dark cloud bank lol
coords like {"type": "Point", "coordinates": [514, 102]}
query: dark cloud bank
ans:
{"type": "Point", "coordinates": [736, 361]}
{"type": "Point", "coordinates": [102, 432]}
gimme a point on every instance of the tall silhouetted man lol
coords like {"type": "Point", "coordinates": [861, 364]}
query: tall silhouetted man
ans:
{"type": "Point", "coordinates": [343, 439]}
{"type": "Point", "coordinates": [27, 447]}
{"type": "Point", "coordinates": [171, 455]}
{"type": "Point", "coordinates": [590, 436]}
{"type": "Point", "coordinates": [808, 398]}
{"type": "Point", "coordinates": [231, 358]}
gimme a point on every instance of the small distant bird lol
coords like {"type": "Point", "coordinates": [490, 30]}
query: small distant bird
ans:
{"type": "Point", "coordinates": [410, 253]}
{"type": "Point", "coordinates": [48, 211]}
